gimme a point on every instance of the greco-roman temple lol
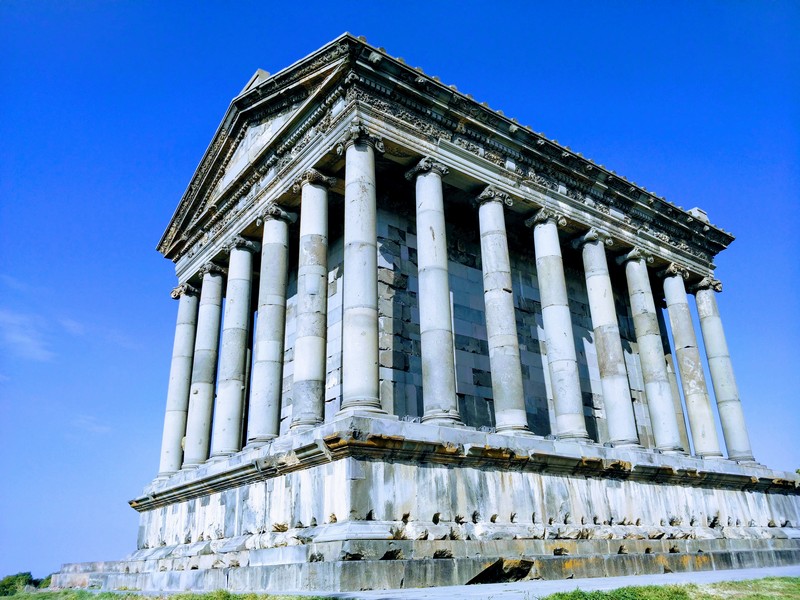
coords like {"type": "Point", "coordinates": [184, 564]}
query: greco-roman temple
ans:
{"type": "Point", "coordinates": [420, 344]}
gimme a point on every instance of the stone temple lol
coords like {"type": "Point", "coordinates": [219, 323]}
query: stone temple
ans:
{"type": "Point", "coordinates": [420, 344]}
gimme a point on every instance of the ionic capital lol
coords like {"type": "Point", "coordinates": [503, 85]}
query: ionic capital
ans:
{"type": "Point", "coordinates": [241, 243]}
{"type": "Point", "coordinates": [593, 235]}
{"type": "Point", "coordinates": [212, 268]}
{"type": "Point", "coordinates": [426, 165]}
{"type": "Point", "coordinates": [275, 212]}
{"type": "Point", "coordinates": [635, 254]}
{"type": "Point", "coordinates": [184, 289]}
{"type": "Point", "coordinates": [675, 270]}
{"type": "Point", "coordinates": [357, 133]}
{"type": "Point", "coordinates": [315, 177]}
{"type": "Point", "coordinates": [492, 194]}
{"type": "Point", "coordinates": [546, 215]}
{"type": "Point", "coordinates": [706, 283]}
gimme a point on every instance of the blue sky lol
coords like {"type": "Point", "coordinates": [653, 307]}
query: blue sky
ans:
{"type": "Point", "coordinates": [107, 108]}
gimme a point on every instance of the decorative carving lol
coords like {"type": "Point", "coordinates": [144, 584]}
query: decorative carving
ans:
{"type": "Point", "coordinates": [425, 165]}
{"type": "Point", "coordinates": [182, 289]}
{"type": "Point", "coordinates": [707, 283]}
{"type": "Point", "coordinates": [492, 194]}
{"type": "Point", "coordinates": [243, 244]}
{"type": "Point", "coordinates": [273, 211]}
{"type": "Point", "coordinates": [313, 176]}
{"type": "Point", "coordinates": [211, 267]}
{"type": "Point", "coordinates": [636, 253]}
{"type": "Point", "coordinates": [358, 133]}
{"type": "Point", "coordinates": [544, 215]}
{"type": "Point", "coordinates": [675, 270]}
{"type": "Point", "coordinates": [593, 235]}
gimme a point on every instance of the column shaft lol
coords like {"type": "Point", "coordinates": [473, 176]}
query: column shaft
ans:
{"type": "Point", "coordinates": [677, 400]}
{"type": "Point", "coordinates": [228, 410]}
{"type": "Point", "coordinates": [204, 369]}
{"type": "Point", "coordinates": [435, 318]}
{"type": "Point", "coordinates": [726, 391]}
{"type": "Point", "coordinates": [501, 323]}
{"type": "Point", "coordinates": [611, 360]}
{"type": "Point", "coordinates": [310, 351]}
{"type": "Point", "coordinates": [693, 380]}
{"type": "Point", "coordinates": [651, 354]}
{"type": "Point", "coordinates": [263, 416]}
{"type": "Point", "coordinates": [180, 379]}
{"type": "Point", "coordinates": [557, 320]}
{"type": "Point", "coordinates": [360, 294]}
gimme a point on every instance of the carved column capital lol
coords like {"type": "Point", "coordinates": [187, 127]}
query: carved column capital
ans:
{"type": "Point", "coordinates": [184, 289]}
{"type": "Point", "coordinates": [706, 283]}
{"type": "Point", "coordinates": [593, 235]}
{"type": "Point", "coordinates": [357, 133]}
{"type": "Point", "coordinates": [313, 176]}
{"type": "Point", "coordinates": [492, 194]}
{"type": "Point", "coordinates": [635, 254]}
{"type": "Point", "coordinates": [544, 215]}
{"type": "Point", "coordinates": [213, 268]}
{"type": "Point", "coordinates": [425, 165]}
{"type": "Point", "coordinates": [275, 212]}
{"type": "Point", "coordinates": [673, 270]}
{"type": "Point", "coordinates": [242, 243]}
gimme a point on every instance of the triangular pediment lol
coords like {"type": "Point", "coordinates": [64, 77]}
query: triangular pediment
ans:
{"type": "Point", "coordinates": [266, 107]}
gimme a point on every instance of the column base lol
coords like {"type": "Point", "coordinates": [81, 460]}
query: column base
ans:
{"type": "Point", "coordinates": [574, 436]}
{"type": "Point", "coordinates": [711, 456]}
{"type": "Point", "coordinates": [625, 444]}
{"type": "Point", "coordinates": [368, 407]}
{"type": "Point", "coordinates": [442, 417]}
{"type": "Point", "coordinates": [745, 460]}
{"type": "Point", "coordinates": [671, 450]}
{"type": "Point", "coordinates": [258, 442]}
{"type": "Point", "coordinates": [515, 431]}
{"type": "Point", "coordinates": [304, 425]}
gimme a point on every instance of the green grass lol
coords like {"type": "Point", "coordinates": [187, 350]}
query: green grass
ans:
{"type": "Point", "coordinates": [770, 588]}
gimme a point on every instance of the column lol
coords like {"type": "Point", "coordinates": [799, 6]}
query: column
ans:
{"type": "Point", "coordinates": [180, 379]}
{"type": "Point", "coordinates": [610, 358]}
{"type": "Point", "coordinates": [501, 322]}
{"type": "Point", "coordinates": [719, 364]}
{"type": "Point", "coordinates": [435, 319]}
{"type": "Point", "coordinates": [360, 294]}
{"type": "Point", "coordinates": [677, 400]}
{"type": "Point", "coordinates": [693, 380]}
{"type": "Point", "coordinates": [263, 416]}
{"type": "Point", "coordinates": [561, 359]}
{"type": "Point", "coordinates": [204, 367]}
{"type": "Point", "coordinates": [310, 346]}
{"type": "Point", "coordinates": [651, 352]}
{"type": "Point", "coordinates": [229, 407]}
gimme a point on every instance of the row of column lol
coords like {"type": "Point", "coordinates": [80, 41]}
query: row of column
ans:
{"type": "Point", "coordinates": [192, 433]}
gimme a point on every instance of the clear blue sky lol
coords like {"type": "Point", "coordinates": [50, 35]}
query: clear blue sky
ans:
{"type": "Point", "coordinates": [107, 108]}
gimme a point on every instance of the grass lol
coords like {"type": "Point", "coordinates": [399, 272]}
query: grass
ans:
{"type": "Point", "coordinates": [769, 588]}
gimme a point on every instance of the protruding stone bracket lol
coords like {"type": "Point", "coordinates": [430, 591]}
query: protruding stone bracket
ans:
{"type": "Point", "coordinates": [674, 269]}
{"type": "Point", "coordinates": [636, 254]}
{"type": "Point", "coordinates": [706, 283]}
{"type": "Point", "coordinates": [214, 268]}
{"type": "Point", "coordinates": [593, 235]}
{"type": "Point", "coordinates": [492, 194]}
{"type": "Point", "coordinates": [243, 244]}
{"type": "Point", "coordinates": [273, 212]}
{"type": "Point", "coordinates": [184, 289]}
{"type": "Point", "coordinates": [315, 177]}
{"type": "Point", "coordinates": [426, 165]}
{"type": "Point", "coordinates": [357, 133]}
{"type": "Point", "coordinates": [543, 216]}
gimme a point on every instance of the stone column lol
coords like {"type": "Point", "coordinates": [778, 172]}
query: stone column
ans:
{"type": "Point", "coordinates": [610, 358]}
{"type": "Point", "coordinates": [204, 368]}
{"type": "Point", "coordinates": [263, 416]}
{"type": "Point", "coordinates": [501, 323]}
{"type": "Point", "coordinates": [435, 318]}
{"type": "Point", "coordinates": [719, 364]}
{"type": "Point", "coordinates": [310, 346]}
{"type": "Point", "coordinates": [557, 320]}
{"type": "Point", "coordinates": [360, 295]}
{"type": "Point", "coordinates": [677, 400]}
{"type": "Point", "coordinates": [229, 407]}
{"type": "Point", "coordinates": [180, 379]}
{"type": "Point", "coordinates": [693, 380]}
{"type": "Point", "coordinates": [651, 352]}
